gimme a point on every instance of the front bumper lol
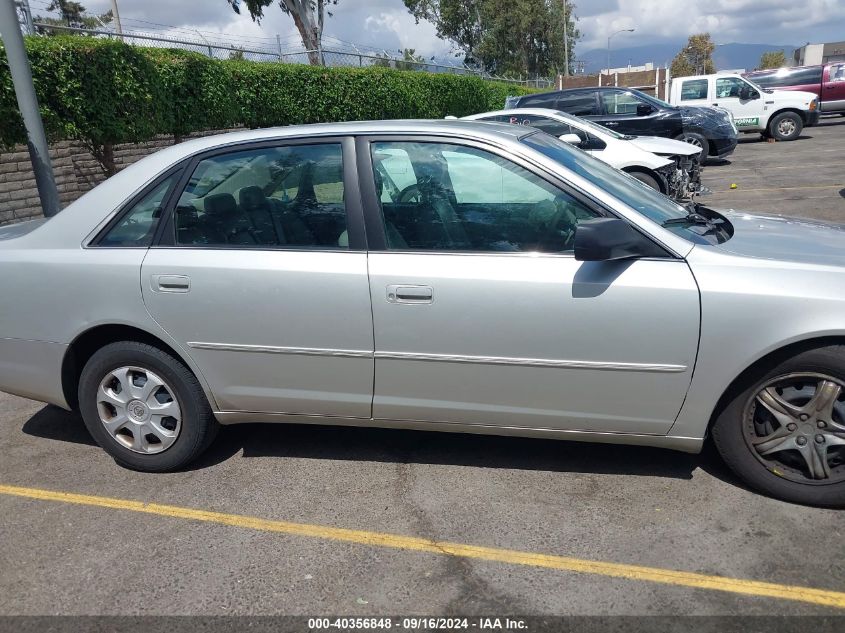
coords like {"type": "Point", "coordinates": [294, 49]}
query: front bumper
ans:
{"type": "Point", "coordinates": [810, 118]}
{"type": "Point", "coordinates": [721, 147]}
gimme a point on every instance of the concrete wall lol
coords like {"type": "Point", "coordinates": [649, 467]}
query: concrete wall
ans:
{"type": "Point", "coordinates": [75, 169]}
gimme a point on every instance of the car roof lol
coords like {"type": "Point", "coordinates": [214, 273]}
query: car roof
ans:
{"type": "Point", "coordinates": [359, 128]}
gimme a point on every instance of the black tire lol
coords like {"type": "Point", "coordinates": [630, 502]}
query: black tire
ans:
{"type": "Point", "coordinates": [647, 179]}
{"type": "Point", "coordinates": [198, 425]}
{"type": "Point", "coordinates": [730, 433]}
{"type": "Point", "coordinates": [696, 139]}
{"type": "Point", "coordinates": [786, 126]}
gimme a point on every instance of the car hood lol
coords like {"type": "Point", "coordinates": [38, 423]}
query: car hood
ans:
{"type": "Point", "coordinates": [716, 121]}
{"type": "Point", "coordinates": [793, 95]}
{"type": "Point", "coordinates": [667, 146]}
{"type": "Point", "coordinates": [786, 239]}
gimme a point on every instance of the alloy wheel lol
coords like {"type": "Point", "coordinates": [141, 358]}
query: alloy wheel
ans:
{"type": "Point", "coordinates": [795, 426]}
{"type": "Point", "coordinates": [786, 127]}
{"type": "Point", "coordinates": [139, 410]}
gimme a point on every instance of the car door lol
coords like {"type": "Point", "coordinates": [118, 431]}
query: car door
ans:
{"type": "Point", "coordinates": [482, 316]}
{"type": "Point", "coordinates": [833, 89]}
{"type": "Point", "coordinates": [623, 112]}
{"type": "Point", "coordinates": [750, 113]}
{"type": "Point", "coordinates": [261, 276]}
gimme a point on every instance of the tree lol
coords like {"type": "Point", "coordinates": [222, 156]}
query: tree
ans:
{"type": "Point", "coordinates": [410, 60]}
{"type": "Point", "coordinates": [772, 59]}
{"type": "Point", "coordinates": [72, 14]}
{"type": "Point", "coordinates": [308, 16]}
{"type": "Point", "coordinates": [695, 58]}
{"type": "Point", "coordinates": [507, 37]}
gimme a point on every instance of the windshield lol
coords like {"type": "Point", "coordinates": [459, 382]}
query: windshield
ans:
{"type": "Point", "coordinates": [643, 199]}
{"type": "Point", "coordinates": [660, 103]}
{"type": "Point", "coordinates": [584, 124]}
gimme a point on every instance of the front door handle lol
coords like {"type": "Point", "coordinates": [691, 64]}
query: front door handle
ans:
{"type": "Point", "coordinates": [409, 294]}
{"type": "Point", "coordinates": [170, 283]}
{"type": "Point", "coordinates": [611, 123]}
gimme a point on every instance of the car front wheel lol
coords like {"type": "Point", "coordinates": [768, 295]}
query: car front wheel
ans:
{"type": "Point", "coordinates": [694, 138]}
{"type": "Point", "coordinates": [785, 433]}
{"type": "Point", "coordinates": [144, 407]}
{"type": "Point", "coordinates": [786, 126]}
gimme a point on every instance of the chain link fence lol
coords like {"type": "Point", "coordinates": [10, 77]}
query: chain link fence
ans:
{"type": "Point", "coordinates": [325, 57]}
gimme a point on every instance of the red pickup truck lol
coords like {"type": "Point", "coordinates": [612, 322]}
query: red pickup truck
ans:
{"type": "Point", "coordinates": [827, 81]}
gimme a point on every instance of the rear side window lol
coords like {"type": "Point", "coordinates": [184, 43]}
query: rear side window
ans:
{"type": "Point", "coordinates": [577, 103]}
{"type": "Point", "coordinates": [275, 197]}
{"type": "Point", "coordinates": [694, 89]}
{"type": "Point", "coordinates": [138, 226]}
{"type": "Point", "coordinates": [837, 72]}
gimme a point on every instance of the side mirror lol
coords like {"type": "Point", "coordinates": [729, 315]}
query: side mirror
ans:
{"type": "Point", "coordinates": [643, 109]}
{"type": "Point", "coordinates": [572, 139]}
{"type": "Point", "coordinates": [606, 239]}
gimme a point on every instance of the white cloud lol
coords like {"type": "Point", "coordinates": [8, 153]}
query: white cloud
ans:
{"type": "Point", "coordinates": [386, 24]}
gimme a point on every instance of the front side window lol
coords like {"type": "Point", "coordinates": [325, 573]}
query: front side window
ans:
{"type": "Point", "coordinates": [623, 103]}
{"type": "Point", "coordinates": [729, 87]}
{"type": "Point", "coordinates": [138, 226]}
{"type": "Point", "coordinates": [288, 196]}
{"type": "Point", "coordinates": [467, 199]}
{"type": "Point", "coordinates": [694, 89]}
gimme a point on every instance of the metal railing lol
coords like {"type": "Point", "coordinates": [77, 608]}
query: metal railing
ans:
{"type": "Point", "coordinates": [327, 57]}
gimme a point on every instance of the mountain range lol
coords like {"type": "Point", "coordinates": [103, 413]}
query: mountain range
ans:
{"type": "Point", "coordinates": [726, 56]}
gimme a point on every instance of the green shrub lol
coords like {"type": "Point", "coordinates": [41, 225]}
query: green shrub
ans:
{"type": "Point", "coordinates": [105, 92]}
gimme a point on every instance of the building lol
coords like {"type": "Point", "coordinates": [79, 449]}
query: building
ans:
{"type": "Point", "coordinates": [814, 54]}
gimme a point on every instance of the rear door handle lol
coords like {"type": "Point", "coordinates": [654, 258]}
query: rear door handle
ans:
{"type": "Point", "coordinates": [170, 283]}
{"type": "Point", "coordinates": [409, 294]}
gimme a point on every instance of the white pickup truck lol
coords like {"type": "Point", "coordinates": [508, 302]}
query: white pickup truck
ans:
{"type": "Point", "coordinates": [780, 114]}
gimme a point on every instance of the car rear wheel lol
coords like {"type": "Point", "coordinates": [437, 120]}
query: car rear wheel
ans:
{"type": "Point", "coordinates": [786, 126]}
{"type": "Point", "coordinates": [144, 407]}
{"type": "Point", "coordinates": [694, 138]}
{"type": "Point", "coordinates": [647, 179]}
{"type": "Point", "coordinates": [785, 433]}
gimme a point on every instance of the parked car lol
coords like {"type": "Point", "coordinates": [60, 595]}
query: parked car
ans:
{"type": "Point", "coordinates": [629, 111]}
{"type": "Point", "coordinates": [441, 275]}
{"type": "Point", "coordinates": [827, 82]}
{"type": "Point", "coordinates": [671, 167]}
{"type": "Point", "coordinates": [779, 114]}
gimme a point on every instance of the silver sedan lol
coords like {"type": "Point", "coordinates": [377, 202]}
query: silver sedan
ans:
{"type": "Point", "coordinates": [436, 275]}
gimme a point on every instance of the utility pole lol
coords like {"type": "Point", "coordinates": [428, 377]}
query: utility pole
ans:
{"type": "Point", "coordinates": [565, 41]}
{"type": "Point", "coordinates": [36, 140]}
{"type": "Point", "coordinates": [116, 14]}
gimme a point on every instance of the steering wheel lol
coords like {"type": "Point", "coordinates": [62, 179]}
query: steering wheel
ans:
{"type": "Point", "coordinates": [411, 193]}
{"type": "Point", "coordinates": [563, 224]}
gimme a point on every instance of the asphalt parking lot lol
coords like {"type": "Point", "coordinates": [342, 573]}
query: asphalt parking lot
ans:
{"type": "Point", "coordinates": [312, 520]}
{"type": "Point", "coordinates": [804, 178]}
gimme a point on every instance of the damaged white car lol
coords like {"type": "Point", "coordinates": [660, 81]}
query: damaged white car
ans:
{"type": "Point", "coordinates": [669, 166]}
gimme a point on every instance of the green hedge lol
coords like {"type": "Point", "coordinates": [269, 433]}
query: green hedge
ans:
{"type": "Point", "coordinates": [104, 92]}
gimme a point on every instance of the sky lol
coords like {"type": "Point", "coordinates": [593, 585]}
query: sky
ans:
{"type": "Point", "coordinates": [387, 25]}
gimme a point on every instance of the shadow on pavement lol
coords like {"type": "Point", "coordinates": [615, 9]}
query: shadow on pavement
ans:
{"type": "Point", "coordinates": [397, 446]}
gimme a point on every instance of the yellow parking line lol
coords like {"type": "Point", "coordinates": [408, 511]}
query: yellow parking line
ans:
{"type": "Point", "coordinates": [377, 539]}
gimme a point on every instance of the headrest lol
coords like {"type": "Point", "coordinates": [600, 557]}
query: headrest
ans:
{"type": "Point", "coordinates": [220, 204]}
{"type": "Point", "coordinates": [252, 197]}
